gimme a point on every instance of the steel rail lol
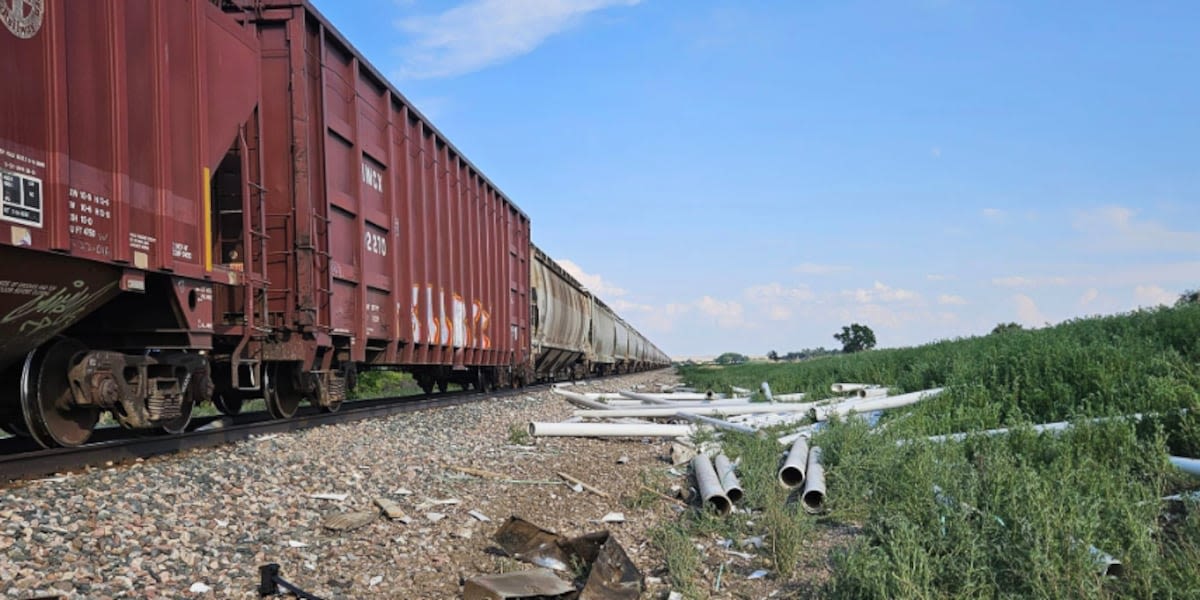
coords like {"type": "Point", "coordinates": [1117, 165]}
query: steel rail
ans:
{"type": "Point", "coordinates": [21, 459]}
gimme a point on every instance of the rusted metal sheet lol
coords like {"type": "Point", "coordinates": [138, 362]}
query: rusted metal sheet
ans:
{"type": "Point", "coordinates": [116, 113]}
{"type": "Point", "coordinates": [388, 238]}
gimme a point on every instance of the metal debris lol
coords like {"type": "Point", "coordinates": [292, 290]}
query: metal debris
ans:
{"type": "Point", "coordinates": [612, 575]}
{"type": "Point", "coordinates": [350, 520]}
{"type": "Point", "coordinates": [524, 584]}
{"type": "Point", "coordinates": [479, 516]}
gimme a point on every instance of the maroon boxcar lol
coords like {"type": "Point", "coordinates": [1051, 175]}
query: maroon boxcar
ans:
{"type": "Point", "coordinates": [112, 117]}
{"type": "Point", "coordinates": [388, 246]}
{"type": "Point", "coordinates": [223, 199]}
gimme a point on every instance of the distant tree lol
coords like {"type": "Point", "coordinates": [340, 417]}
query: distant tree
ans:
{"type": "Point", "coordinates": [731, 358]}
{"type": "Point", "coordinates": [1006, 327]}
{"type": "Point", "coordinates": [855, 338]}
{"type": "Point", "coordinates": [1188, 297]}
{"type": "Point", "coordinates": [772, 356]}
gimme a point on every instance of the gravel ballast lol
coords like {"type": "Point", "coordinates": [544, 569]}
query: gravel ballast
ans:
{"type": "Point", "coordinates": [157, 528]}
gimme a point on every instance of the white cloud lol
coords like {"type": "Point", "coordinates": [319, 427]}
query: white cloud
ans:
{"type": "Point", "coordinates": [1152, 295]}
{"type": "Point", "coordinates": [938, 277]}
{"type": "Point", "coordinates": [595, 283]}
{"type": "Point", "coordinates": [1028, 313]}
{"type": "Point", "coordinates": [993, 214]}
{"type": "Point", "coordinates": [1016, 281]}
{"type": "Point", "coordinates": [951, 299]}
{"type": "Point", "coordinates": [818, 269]}
{"type": "Point", "coordinates": [729, 314]}
{"type": "Point", "coordinates": [480, 33]}
{"type": "Point", "coordinates": [1117, 229]}
{"type": "Point", "coordinates": [881, 292]}
{"type": "Point", "coordinates": [623, 306]}
{"type": "Point", "coordinates": [1089, 296]}
{"type": "Point", "coordinates": [776, 292]}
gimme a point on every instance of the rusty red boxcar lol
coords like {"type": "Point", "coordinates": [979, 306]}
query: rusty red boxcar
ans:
{"type": "Point", "coordinates": [404, 253]}
{"type": "Point", "coordinates": [221, 200]}
{"type": "Point", "coordinates": [112, 117]}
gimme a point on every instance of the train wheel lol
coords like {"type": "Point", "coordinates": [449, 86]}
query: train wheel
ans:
{"type": "Point", "coordinates": [228, 402]}
{"type": "Point", "coordinates": [280, 395]}
{"type": "Point", "coordinates": [50, 414]}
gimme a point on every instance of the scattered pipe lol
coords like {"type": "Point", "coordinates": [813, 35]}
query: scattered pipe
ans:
{"type": "Point", "coordinates": [822, 413]}
{"type": "Point", "coordinates": [710, 485]}
{"type": "Point", "coordinates": [709, 410]}
{"type": "Point", "coordinates": [813, 497]}
{"type": "Point", "coordinates": [839, 388]}
{"type": "Point", "coordinates": [805, 432]}
{"type": "Point", "coordinates": [579, 399]}
{"type": "Point", "coordinates": [1044, 427]}
{"type": "Point", "coordinates": [1109, 566]}
{"type": "Point", "coordinates": [1191, 466]}
{"type": "Point", "coordinates": [789, 397]}
{"type": "Point", "coordinates": [1106, 564]}
{"type": "Point", "coordinates": [739, 390]}
{"type": "Point", "coordinates": [718, 423]}
{"type": "Point", "coordinates": [791, 474]}
{"type": "Point", "coordinates": [728, 479]}
{"type": "Point", "coordinates": [646, 398]}
{"type": "Point", "coordinates": [766, 390]}
{"type": "Point", "coordinates": [609, 430]}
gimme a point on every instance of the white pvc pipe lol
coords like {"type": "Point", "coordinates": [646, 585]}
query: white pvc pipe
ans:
{"type": "Point", "coordinates": [609, 430]}
{"type": "Point", "coordinates": [822, 413]}
{"type": "Point", "coordinates": [709, 410]}
{"type": "Point", "coordinates": [766, 390]}
{"type": "Point", "coordinates": [789, 397]}
{"type": "Point", "coordinates": [1044, 427]}
{"type": "Point", "coordinates": [578, 399]}
{"type": "Point", "coordinates": [710, 485]}
{"type": "Point", "coordinates": [813, 497]}
{"type": "Point", "coordinates": [791, 474]}
{"type": "Point", "coordinates": [728, 479]}
{"type": "Point", "coordinates": [1191, 466]}
{"type": "Point", "coordinates": [646, 398]}
{"type": "Point", "coordinates": [803, 432]}
{"type": "Point", "coordinates": [718, 423]}
{"type": "Point", "coordinates": [839, 388]}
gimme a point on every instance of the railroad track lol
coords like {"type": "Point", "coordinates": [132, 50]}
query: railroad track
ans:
{"type": "Point", "coordinates": [21, 458]}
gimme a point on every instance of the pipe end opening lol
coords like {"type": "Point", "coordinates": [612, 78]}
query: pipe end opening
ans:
{"type": "Point", "coordinates": [791, 477]}
{"type": "Point", "coordinates": [721, 504]}
{"type": "Point", "coordinates": [814, 501]}
{"type": "Point", "coordinates": [735, 494]}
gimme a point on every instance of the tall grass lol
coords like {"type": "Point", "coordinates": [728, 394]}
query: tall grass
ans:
{"type": "Point", "coordinates": [1014, 515]}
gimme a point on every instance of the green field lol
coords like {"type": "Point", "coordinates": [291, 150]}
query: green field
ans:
{"type": "Point", "coordinates": [1017, 513]}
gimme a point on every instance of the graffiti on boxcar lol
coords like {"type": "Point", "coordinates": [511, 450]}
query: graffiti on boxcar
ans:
{"type": "Point", "coordinates": [458, 321]}
{"type": "Point", "coordinates": [481, 317]}
{"type": "Point", "coordinates": [22, 17]}
{"type": "Point", "coordinates": [431, 325]}
{"type": "Point", "coordinates": [51, 308]}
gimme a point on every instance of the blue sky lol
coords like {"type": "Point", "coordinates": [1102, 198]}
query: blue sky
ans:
{"type": "Point", "coordinates": [753, 175]}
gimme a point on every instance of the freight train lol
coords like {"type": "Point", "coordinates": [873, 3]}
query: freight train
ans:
{"type": "Point", "coordinates": [215, 200]}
